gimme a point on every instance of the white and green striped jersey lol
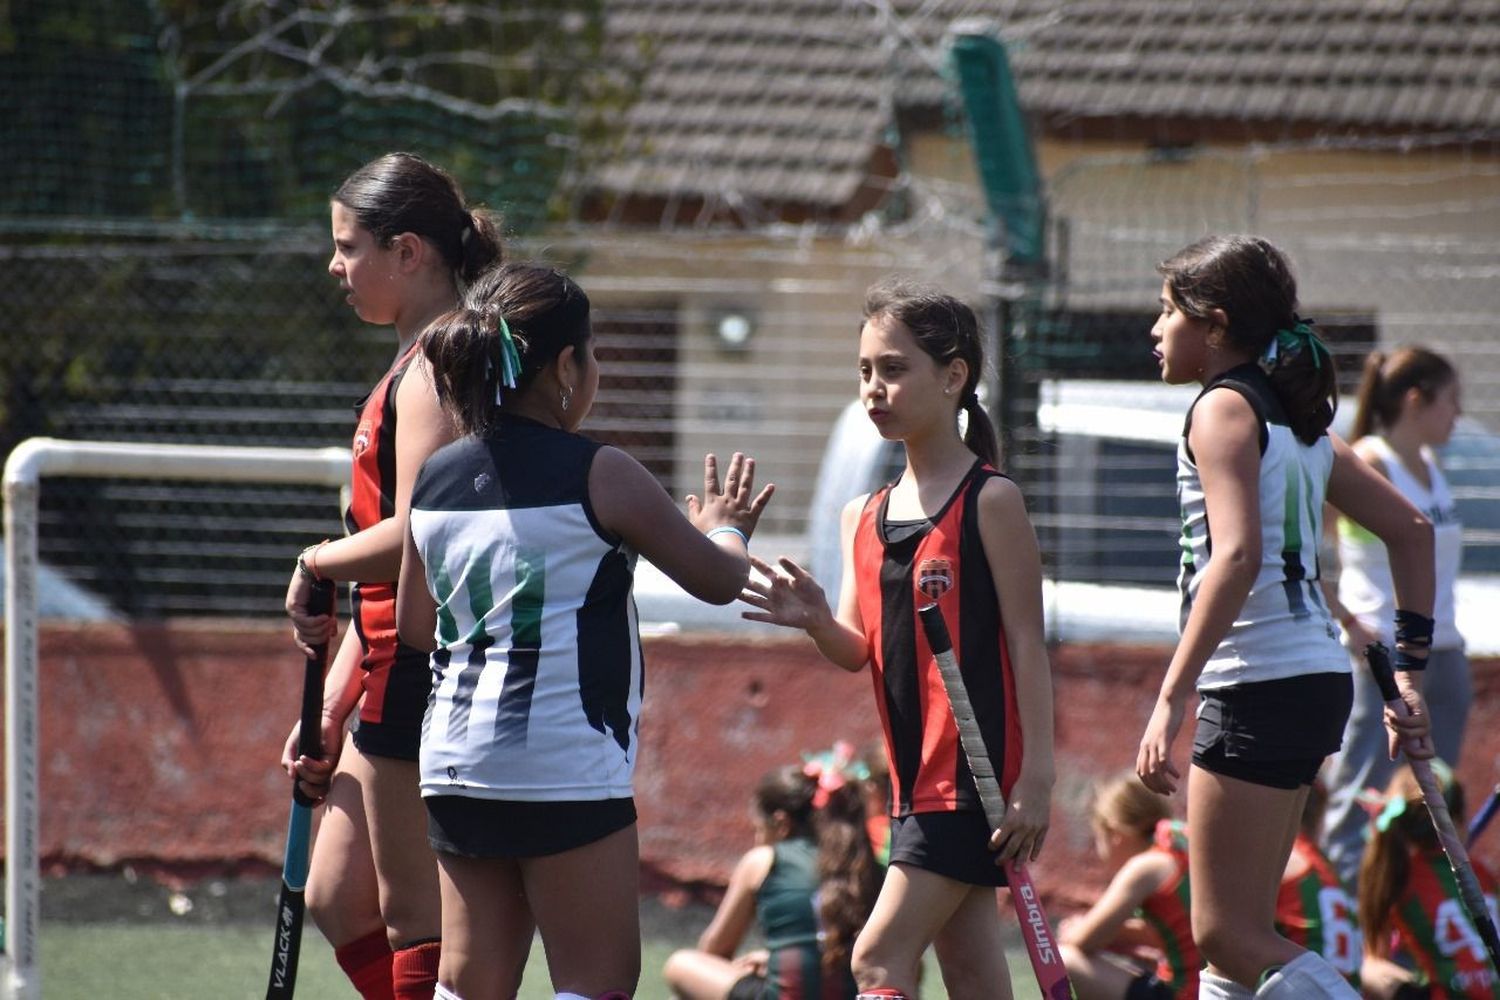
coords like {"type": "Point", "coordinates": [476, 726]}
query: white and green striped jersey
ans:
{"type": "Point", "coordinates": [1283, 629]}
{"type": "Point", "coordinates": [537, 678]}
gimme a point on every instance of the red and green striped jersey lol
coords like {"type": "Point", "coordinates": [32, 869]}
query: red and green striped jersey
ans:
{"type": "Point", "coordinates": [786, 907]}
{"type": "Point", "coordinates": [1168, 911]}
{"type": "Point", "coordinates": [1314, 909]}
{"type": "Point", "coordinates": [1432, 927]}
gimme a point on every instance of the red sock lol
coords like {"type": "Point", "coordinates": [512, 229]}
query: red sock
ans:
{"type": "Point", "coordinates": [414, 970]}
{"type": "Point", "coordinates": [367, 963]}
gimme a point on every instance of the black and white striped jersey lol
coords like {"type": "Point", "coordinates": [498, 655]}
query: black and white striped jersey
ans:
{"type": "Point", "coordinates": [537, 678]}
{"type": "Point", "coordinates": [1283, 629]}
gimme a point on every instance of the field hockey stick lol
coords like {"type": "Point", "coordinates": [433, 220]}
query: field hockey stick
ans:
{"type": "Point", "coordinates": [291, 905]}
{"type": "Point", "coordinates": [1471, 896]}
{"type": "Point", "coordinates": [1485, 813]}
{"type": "Point", "coordinates": [1046, 959]}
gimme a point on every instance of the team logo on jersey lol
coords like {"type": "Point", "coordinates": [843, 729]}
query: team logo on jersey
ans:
{"type": "Point", "coordinates": [362, 438]}
{"type": "Point", "coordinates": [934, 577]}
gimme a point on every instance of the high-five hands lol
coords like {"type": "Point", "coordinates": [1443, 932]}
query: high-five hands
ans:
{"type": "Point", "coordinates": [786, 596]}
{"type": "Point", "coordinates": [732, 506]}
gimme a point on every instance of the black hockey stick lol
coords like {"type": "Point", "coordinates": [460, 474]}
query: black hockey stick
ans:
{"type": "Point", "coordinates": [1484, 814]}
{"type": "Point", "coordinates": [291, 905]}
{"type": "Point", "coordinates": [1471, 896]}
{"type": "Point", "coordinates": [1041, 947]}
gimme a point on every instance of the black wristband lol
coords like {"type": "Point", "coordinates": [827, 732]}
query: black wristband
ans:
{"type": "Point", "coordinates": [1413, 632]}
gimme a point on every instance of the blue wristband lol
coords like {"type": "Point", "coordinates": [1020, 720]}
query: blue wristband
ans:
{"type": "Point", "coordinates": [725, 529]}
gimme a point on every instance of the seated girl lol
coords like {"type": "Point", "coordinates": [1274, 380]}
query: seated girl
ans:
{"type": "Point", "coordinates": [809, 883]}
{"type": "Point", "coordinates": [1144, 909]}
{"type": "Point", "coordinates": [1419, 941]}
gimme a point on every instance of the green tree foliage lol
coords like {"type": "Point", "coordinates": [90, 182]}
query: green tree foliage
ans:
{"type": "Point", "coordinates": [255, 109]}
{"type": "Point", "coordinates": [164, 192]}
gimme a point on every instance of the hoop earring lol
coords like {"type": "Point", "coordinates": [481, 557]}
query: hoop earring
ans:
{"type": "Point", "coordinates": [567, 396]}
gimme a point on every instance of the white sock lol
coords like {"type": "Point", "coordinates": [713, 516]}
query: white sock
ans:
{"type": "Point", "coordinates": [442, 992]}
{"type": "Point", "coordinates": [1212, 987]}
{"type": "Point", "coordinates": [1307, 975]}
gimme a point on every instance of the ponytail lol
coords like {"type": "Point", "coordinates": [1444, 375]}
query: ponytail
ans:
{"type": "Point", "coordinates": [849, 876]}
{"type": "Point", "coordinates": [403, 193]}
{"type": "Point", "coordinates": [480, 246]}
{"type": "Point", "coordinates": [1367, 404]}
{"type": "Point", "coordinates": [1383, 872]}
{"type": "Point", "coordinates": [1401, 829]}
{"type": "Point", "coordinates": [515, 320]}
{"type": "Point", "coordinates": [1386, 380]}
{"type": "Point", "coordinates": [1251, 282]}
{"type": "Point", "coordinates": [1304, 377]}
{"type": "Point", "coordinates": [979, 434]}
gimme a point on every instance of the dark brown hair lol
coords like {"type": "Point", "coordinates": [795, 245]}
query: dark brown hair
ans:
{"type": "Point", "coordinates": [945, 328]}
{"type": "Point", "coordinates": [1386, 864]}
{"type": "Point", "coordinates": [403, 193]}
{"type": "Point", "coordinates": [1386, 380]}
{"type": "Point", "coordinates": [1251, 281]}
{"type": "Point", "coordinates": [848, 874]}
{"type": "Point", "coordinates": [545, 313]}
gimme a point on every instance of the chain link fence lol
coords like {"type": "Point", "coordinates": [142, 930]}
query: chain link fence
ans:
{"type": "Point", "coordinates": [129, 313]}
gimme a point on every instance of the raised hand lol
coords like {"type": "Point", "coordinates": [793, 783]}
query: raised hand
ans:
{"type": "Point", "coordinates": [787, 595]}
{"type": "Point", "coordinates": [736, 505]}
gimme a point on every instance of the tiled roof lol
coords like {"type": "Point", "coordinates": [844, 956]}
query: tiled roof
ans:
{"type": "Point", "coordinates": [750, 99]}
{"type": "Point", "coordinates": [788, 101]}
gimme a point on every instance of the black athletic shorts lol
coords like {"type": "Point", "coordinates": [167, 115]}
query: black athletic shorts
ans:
{"type": "Point", "coordinates": [1273, 733]}
{"type": "Point", "coordinates": [952, 844]}
{"type": "Point", "coordinates": [396, 685]}
{"type": "Point", "coordinates": [749, 987]}
{"type": "Point", "coordinates": [1147, 987]}
{"type": "Point", "coordinates": [504, 828]}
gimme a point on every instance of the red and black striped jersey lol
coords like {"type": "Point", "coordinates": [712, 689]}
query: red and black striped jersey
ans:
{"type": "Point", "coordinates": [372, 500]}
{"type": "Point", "coordinates": [928, 770]}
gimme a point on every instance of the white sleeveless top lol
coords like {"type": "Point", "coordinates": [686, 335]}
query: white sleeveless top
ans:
{"type": "Point", "coordinates": [1283, 628]}
{"type": "Point", "coordinates": [537, 679]}
{"type": "Point", "coordinates": [1365, 585]}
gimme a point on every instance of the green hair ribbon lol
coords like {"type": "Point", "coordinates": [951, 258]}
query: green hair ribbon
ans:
{"type": "Point", "coordinates": [510, 359]}
{"type": "Point", "coordinates": [1396, 805]}
{"type": "Point", "coordinates": [1289, 342]}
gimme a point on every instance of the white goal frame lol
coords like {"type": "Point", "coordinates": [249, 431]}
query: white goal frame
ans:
{"type": "Point", "coordinates": [24, 469]}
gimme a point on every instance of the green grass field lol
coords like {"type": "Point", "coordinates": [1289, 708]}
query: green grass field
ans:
{"type": "Point", "coordinates": [101, 939]}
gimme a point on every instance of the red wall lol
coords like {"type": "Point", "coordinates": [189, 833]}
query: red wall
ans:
{"type": "Point", "coordinates": [160, 744]}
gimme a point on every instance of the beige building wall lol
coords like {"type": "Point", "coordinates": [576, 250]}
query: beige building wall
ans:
{"type": "Point", "coordinates": [1410, 241]}
{"type": "Point", "coordinates": [778, 397]}
{"type": "Point", "coordinates": [1407, 239]}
